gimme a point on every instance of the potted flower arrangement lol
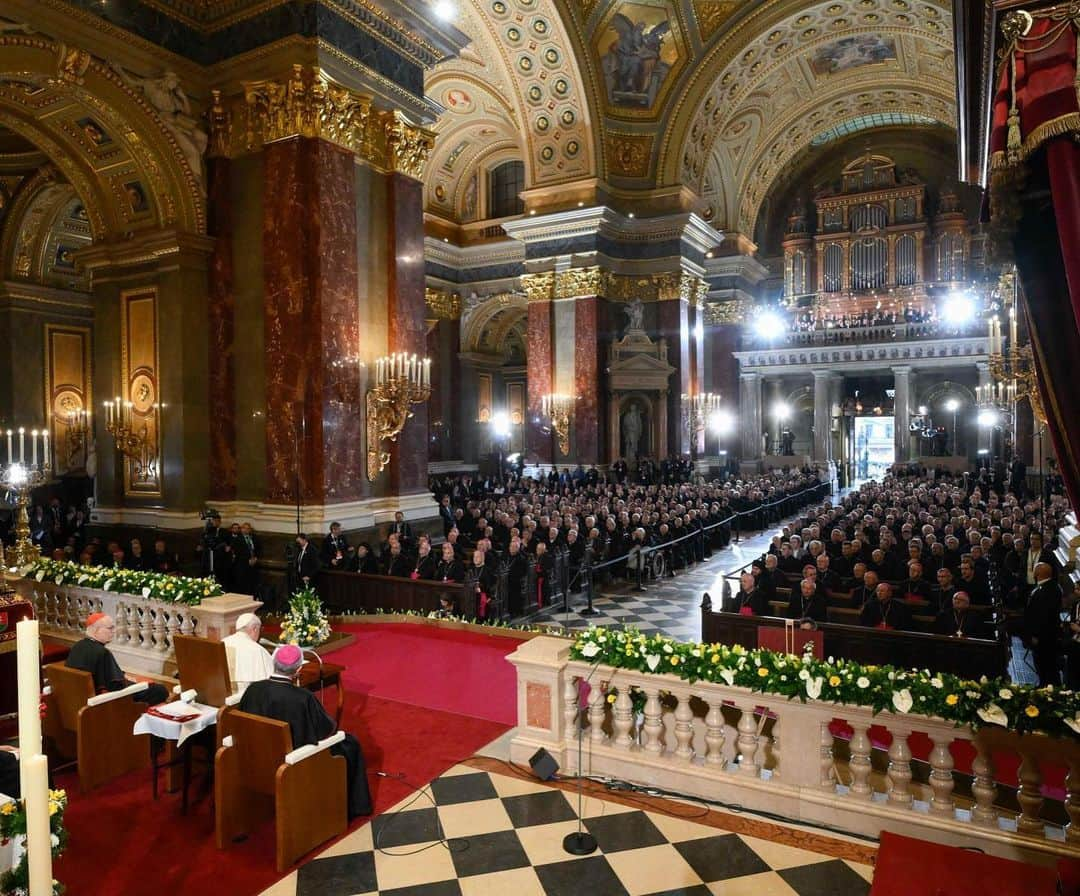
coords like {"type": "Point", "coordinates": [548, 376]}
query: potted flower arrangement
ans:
{"type": "Point", "coordinates": [306, 624]}
{"type": "Point", "coordinates": [16, 881]}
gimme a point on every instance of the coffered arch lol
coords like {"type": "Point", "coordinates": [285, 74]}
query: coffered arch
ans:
{"type": "Point", "coordinates": [487, 324]}
{"type": "Point", "coordinates": [785, 71]}
{"type": "Point", "coordinates": [102, 135]}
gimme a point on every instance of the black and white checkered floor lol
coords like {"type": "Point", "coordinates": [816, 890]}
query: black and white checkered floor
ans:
{"type": "Point", "coordinates": [669, 606]}
{"type": "Point", "coordinates": [504, 837]}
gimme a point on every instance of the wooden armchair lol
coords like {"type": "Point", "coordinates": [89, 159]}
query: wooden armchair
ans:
{"type": "Point", "coordinates": [95, 730]}
{"type": "Point", "coordinates": [258, 772]}
{"type": "Point", "coordinates": [204, 668]}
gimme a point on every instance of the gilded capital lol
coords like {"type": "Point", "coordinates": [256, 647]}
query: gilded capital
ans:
{"type": "Point", "coordinates": [408, 146]}
{"type": "Point", "coordinates": [539, 287]}
{"type": "Point", "coordinates": [579, 282]}
{"type": "Point", "coordinates": [442, 305]}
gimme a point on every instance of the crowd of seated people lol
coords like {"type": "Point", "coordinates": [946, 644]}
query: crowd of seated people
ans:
{"type": "Point", "coordinates": [807, 321]}
{"type": "Point", "coordinates": [945, 554]}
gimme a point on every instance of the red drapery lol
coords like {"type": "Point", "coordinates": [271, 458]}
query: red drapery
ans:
{"type": "Point", "coordinates": [1035, 118]}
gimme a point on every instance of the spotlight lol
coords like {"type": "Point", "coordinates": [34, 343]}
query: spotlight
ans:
{"type": "Point", "coordinates": [768, 326]}
{"type": "Point", "coordinates": [952, 405]}
{"type": "Point", "coordinates": [500, 424]}
{"type": "Point", "coordinates": [781, 410]}
{"type": "Point", "coordinates": [987, 417]}
{"type": "Point", "coordinates": [721, 422]}
{"type": "Point", "coordinates": [958, 309]}
{"type": "Point", "coordinates": [444, 10]}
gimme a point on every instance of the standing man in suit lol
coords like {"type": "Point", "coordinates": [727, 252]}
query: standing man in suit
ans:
{"type": "Point", "coordinates": [245, 554]}
{"type": "Point", "coordinates": [403, 531]}
{"type": "Point", "coordinates": [1042, 624]}
{"type": "Point", "coordinates": [335, 549]}
{"type": "Point", "coordinates": [306, 565]}
{"type": "Point", "coordinates": [446, 514]}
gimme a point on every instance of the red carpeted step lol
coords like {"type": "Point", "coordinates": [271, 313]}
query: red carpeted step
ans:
{"type": "Point", "coordinates": [909, 867]}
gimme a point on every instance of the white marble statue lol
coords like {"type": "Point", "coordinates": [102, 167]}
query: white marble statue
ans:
{"type": "Point", "coordinates": [631, 431]}
{"type": "Point", "coordinates": [635, 316]}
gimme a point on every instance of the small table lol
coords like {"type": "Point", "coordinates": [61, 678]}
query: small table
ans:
{"type": "Point", "coordinates": [177, 733]}
{"type": "Point", "coordinates": [313, 677]}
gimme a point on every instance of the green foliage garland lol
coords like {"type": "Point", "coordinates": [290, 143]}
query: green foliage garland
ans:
{"type": "Point", "coordinates": [151, 585]}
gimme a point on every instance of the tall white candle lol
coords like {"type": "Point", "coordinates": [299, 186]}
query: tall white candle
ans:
{"type": "Point", "coordinates": [22, 444]}
{"type": "Point", "coordinates": [45, 449]}
{"type": "Point", "coordinates": [33, 449]}
{"type": "Point", "coordinates": [38, 835]}
{"type": "Point", "coordinates": [28, 666]}
{"type": "Point", "coordinates": [9, 457]}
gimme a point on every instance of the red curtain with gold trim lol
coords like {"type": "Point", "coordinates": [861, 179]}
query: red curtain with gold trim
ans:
{"type": "Point", "coordinates": [1035, 121]}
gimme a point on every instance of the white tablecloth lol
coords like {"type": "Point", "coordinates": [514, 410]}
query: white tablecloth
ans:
{"type": "Point", "coordinates": [178, 731]}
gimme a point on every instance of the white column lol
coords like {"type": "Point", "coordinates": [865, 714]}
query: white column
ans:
{"type": "Point", "coordinates": [750, 415]}
{"type": "Point", "coordinates": [776, 396]}
{"type": "Point", "coordinates": [986, 433]}
{"type": "Point", "coordinates": [822, 414]}
{"type": "Point", "coordinates": [901, 413]}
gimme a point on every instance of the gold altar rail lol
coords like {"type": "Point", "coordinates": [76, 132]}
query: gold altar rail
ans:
{"type": "Point", "coordinates": [763, 752]}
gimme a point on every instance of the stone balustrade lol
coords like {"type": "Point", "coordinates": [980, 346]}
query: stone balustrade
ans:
{"type": "Point", "coordinates": [732, 745]}
{"type": "Point", "coordinates": [144, 627]}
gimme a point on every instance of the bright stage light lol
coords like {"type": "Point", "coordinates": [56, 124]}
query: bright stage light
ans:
{"type": "Point", "coordinates": [781, 410]}
{"type": "Point", "coordinates": [444, 10]}
{"type": "Point", "coordinates": [987, 417]}
{"type": "Point", "coordinates": [768, 326]}
{"type": "Point", "coordinates": [500, 424]}
{"type": "Point", "coordinates": [721, 422]}
{"type": "Point", "coordinates": [952, 405]}
{"type": "Point", "coordinates": [958, 309]}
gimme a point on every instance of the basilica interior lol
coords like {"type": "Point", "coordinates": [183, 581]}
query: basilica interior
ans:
{"type": "Point", "coordinates": [643, 291]}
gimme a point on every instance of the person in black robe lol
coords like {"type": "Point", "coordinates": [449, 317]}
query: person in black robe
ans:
{"type": "Point", "coordinates": [449, 569]}
{"type": "Point", "coordinates": [278, 697]}
{"type": "Point", "coordinates": [808, 602]}
{"type": "Point", "coordinates": [9, 774]}
{"type": "Point", "coordinates": [91, 655]}
{"type": "Point", "coordinates": [884, 612]}
{"type": "Point", "coordinates": [959, 620]}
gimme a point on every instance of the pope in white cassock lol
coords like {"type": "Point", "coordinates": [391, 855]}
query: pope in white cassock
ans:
{"type": "Point", "coordinates": [248, 660]}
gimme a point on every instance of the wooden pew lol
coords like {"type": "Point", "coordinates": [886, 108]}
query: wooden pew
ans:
{"type": "Point", "coordinates": [353, 591]}
{"type": "Point", "coordinates": [257, 772]}
{"type": "Point", "coordinates": [969, 657]}
{"type": "Point", "coordinates": [203, 667]}
{"type": "Point", "coordinates": [99, 736]}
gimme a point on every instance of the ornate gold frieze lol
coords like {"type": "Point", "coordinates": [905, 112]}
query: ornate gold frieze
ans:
{"type": "Point", "coordinates": [442, 305]}
{"type": "Point", "coordinates": [595, 281]}
{"type": "Point", "coordinates": [579, 282]}
{"type": "Point", "coordinates": [539, 287]}
{"type": "Point", "coordinates": [711, 14]}
{"type": "Point", "coordinates": [72, 64]}
{"type": "Point", "coordinates": [732, 312]}
{"type": "Point", "coordinates": [309, 104]}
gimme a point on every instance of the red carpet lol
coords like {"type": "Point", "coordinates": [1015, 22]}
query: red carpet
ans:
{"type": "Point", "coordinates": [948, 871]}
{"type": "Point", "coordinates": [123, 842]}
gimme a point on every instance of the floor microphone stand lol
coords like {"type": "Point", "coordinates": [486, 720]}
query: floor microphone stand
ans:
{"type": "Point", "coordinates": [580, 843]}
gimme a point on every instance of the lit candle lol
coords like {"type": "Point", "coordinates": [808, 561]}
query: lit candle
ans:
{"type": "Point", "coordinates": [33, 449]}
{"type": "Point", "coordinates": [427, 371]}
{"type": "Point", "coordinates": [1012, 329]}
{"type": "Point", "coordinates": [35, 791]}
{"type": "Point", "coordinates": [45, 448]}
{"type": "Point", "coordinates": [28, 666]}
{"type": "Point", "coordinates": [9, 458]}
{"type": "Point", "coordinates": [22, 444]}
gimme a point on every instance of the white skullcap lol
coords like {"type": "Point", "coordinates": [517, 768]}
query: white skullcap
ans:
{"type": "Point", "coordinates": [244, 620]}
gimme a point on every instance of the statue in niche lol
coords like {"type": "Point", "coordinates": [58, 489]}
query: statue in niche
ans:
{"type": "Point", "coordinates": [635, 317]}
{"type": "Point", "coordinates": [631, 431]}
{"type": "Point", "coordinates": [171, 103]}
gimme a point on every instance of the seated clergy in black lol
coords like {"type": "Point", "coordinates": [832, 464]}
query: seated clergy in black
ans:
{"type": "Point", "coordinates": [424, 565]}
{"type": "Point", "coordinates": [486, 583]}
{"type": "Point", "coordinates": [960, 621]}
{"type": "Point", "coordinates": [396, 563]}
{"type": "Point", "coordinates": [91, 655]}
{"type": "Point", "coordinates": [448, 569]}
{"type": "Point", "coordinates": [278, 697]}
{"type": "Point", "coordinates": [884, 612]}
{"type": "Point", "coordinates": [864, 594]}
{"type": "Point", "coordinates": [915, 587]}
{"type": "Point", "coordinates": [808, 602]}
{"type": "Point", "coordinates": [751, 600]}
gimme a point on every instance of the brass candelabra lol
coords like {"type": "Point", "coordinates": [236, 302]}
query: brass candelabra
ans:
{"type": "Point", "coordinates": [132, 437]}
{"type": "Point", "coordinates": [400, 381]}
{"type": "Point", "coordinates": [559, 408]}
{"type": "Point", "coordinates": [21, 476]}
{"type": "Point", "coordinates": [77, 425]}
{"type": "Point", "coordinates": [1012, 365]}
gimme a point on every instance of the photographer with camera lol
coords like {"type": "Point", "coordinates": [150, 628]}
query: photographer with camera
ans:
{"type": "Point", "coordinates": [211, 548]}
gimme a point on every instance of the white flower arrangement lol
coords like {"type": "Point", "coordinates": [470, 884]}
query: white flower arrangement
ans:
{"type": "Point", "coordinates": [306, 624]}
{"type": "Point", "coordinates": [150, 585]}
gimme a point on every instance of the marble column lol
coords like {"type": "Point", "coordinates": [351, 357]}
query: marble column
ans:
{"type": "Point", "coordinates": [586, 366]}
{"type": "Point", "coordinates": [539, 380]}
{"type": "Point", "coordinates": [902, 397]}
{"type": "Point", "coordinates": [697, 352]}
{"type": "Point", "coordinates": [221, 324]}
{"type": "Point", "coordinates": [769, 415]}
{"type": "Point", "coordinates": [674, 325]}
{"type": "Point", "coordinates": [311, 323]}
{"type": "Point", "coordinates": [836, 398]}
{"type": "Point", "coordinates": [750, 415]}
{"type": "Point", "coordinates": [823, 415]}
{"type": "Point", "coordinates": [985, 433]}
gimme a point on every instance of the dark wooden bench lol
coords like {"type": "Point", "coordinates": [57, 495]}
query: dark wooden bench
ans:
{"type": "Point", "coordinates": [357, 592]}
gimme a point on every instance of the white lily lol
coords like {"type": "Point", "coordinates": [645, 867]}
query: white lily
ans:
{"type": "Point", "coordinates": [652, 661]}
{"type": "Point", "coordinates": [728, 675]}
{"type": "Point", "coordinates": [994, 715]}
{"type": "Point", "coordinates": [590, 650]}
{"type": "Point", "coordinates": [902, 701]}
{"type": "Point", "coordinates": [814, 686]}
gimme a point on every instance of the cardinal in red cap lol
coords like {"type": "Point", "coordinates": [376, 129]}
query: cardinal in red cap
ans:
{"type": "Point", "coordinates": [91, 655]}
{"type": "Point", "coordinates": [278, 697]}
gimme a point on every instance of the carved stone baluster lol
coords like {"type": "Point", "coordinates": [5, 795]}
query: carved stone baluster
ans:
{"type": "Point", "coordinates": [172, 626]}
{"type": "Point", "coordinates": [120, 618]}
{"type": "Point", "coordinates": [1072, 803]}
{"type": "Point", "coordinates": [861, 749]}
{"type": "Point", "coordinates": [1030, 798]}
{"type": "Point", "coordinates": [770, 749]}
{"type": "Point", "coordinates": [570, 705]}
{"type": "Point", "coordinates": [748, 744]}
{"type": "Point", "coordinates": [941, 776]}
{"type": "Point", "coordinates": [146, 628]}
{"type": "Point", "coordinates": [654, 721]}
{"type": "Point", "coordinates": [714, 733]}
{"type": "Point", "coordinates": [899, 772]}
{"type": "Point", "coordinates": [161, 642]}
{"type": "Point", "coordinates": [597, 705]}
{"type": "Point", "coordinates": [187, 622]}
{"type": "Point", "coordinates": [622, 720]}
{"type": "Point", "coordinates": [828, 772]}
{"type": "Point", "coordinates": [983, 789]}
{"type": "Point", "coordinates": [684, 729]}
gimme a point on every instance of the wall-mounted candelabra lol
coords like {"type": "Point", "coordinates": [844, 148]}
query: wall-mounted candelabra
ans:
{"type": "Point", "coordinates": [400, 381]}
{"type": "Point", "coordinates": [133, 437]}
{"type": "Point", "coordinates": [76, 424]}
{"type": "Point", "coordinates": [21, 475]}
{"type": "Point", "coordinates": [559, 408]}
{"type": "Point", "coordinates": [1012, 365]}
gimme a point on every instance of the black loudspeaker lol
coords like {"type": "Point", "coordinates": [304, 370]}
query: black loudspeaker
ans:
{"type": "Point", "coordinates": [543, 765]}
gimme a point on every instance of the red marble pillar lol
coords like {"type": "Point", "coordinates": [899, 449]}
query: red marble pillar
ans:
{"type": "Point", "coordinates": [407, 330]}
{"type": "Point", "coordinates": [221, 326]}
{"type": "Point", "coordinates": [311, 323]}
{"type": "Point", "coordinates": [674, 325]}
{"type": "Point", "coordinates": [586, 381]}
{"type": "Point", "coordinates": [539, 381]}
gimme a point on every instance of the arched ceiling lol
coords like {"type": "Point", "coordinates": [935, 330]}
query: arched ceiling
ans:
{"type": "Point", "coordinates": [516, 91]}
